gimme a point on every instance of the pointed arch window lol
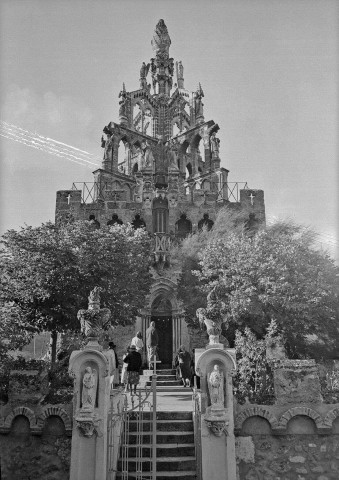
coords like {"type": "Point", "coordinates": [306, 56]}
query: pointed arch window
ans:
{"type": "Point", "coordinates": [160, 215]}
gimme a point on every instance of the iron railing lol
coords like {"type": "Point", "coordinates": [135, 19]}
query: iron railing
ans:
{"type": "Point", "coordinates": [196, 398]}
{"type": "Point", "coordinates": [233, 190]}
{"type": "Point", "coordinates": [95, 191]}
{"type": "Point", "coordinates": [138, 411]}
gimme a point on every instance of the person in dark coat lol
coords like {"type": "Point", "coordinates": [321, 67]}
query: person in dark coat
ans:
{"type": "Point", "coordinates": [134, 362]}
{"type": "Point", "coordinates": [183, 362]}
{"type": "Point", "coordinates": [152, 341]}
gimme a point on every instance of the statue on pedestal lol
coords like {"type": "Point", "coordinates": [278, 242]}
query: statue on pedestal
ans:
{"type": "Point", "coordinates": [89, 383]}
{"type": "Point", "coordinates": [216, 387]}
{"type": "Point", "coordinates": [215, 145]}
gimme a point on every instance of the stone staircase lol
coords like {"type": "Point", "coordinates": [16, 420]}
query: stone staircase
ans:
{"type": "Point", "coordinates": [166, 381]}
{"type": "Point", "coordinates": [174, 441]}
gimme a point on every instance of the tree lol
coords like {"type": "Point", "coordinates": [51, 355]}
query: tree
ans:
{"type": "Point", "coordinates": [48, 272]}
{"type": "Point", "coordinates": [276, 274]}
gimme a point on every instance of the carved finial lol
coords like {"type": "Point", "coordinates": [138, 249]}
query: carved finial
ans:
{"type": "Point", "coordinates": [95, 319]}
{"type": "Point", "coordinates": [161, 40]}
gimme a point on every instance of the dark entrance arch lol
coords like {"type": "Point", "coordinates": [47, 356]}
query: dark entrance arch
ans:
{"type": "Point", "coordinates": [161, 314]}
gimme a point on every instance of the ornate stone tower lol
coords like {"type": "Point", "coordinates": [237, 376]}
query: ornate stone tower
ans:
{"type": "Point", "coordinates": [160, 169]}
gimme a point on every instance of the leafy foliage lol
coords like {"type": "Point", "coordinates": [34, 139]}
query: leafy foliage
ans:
{"type": "Point", "coordinates": [276, 274]}
{"type": "Point", "coordinates": [48, 272]}
{"type": "Point", "coordinates": [253, 381]}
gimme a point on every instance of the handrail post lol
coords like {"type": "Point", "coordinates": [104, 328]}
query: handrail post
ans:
{"type": "Point", "coordinates": [154, 421]}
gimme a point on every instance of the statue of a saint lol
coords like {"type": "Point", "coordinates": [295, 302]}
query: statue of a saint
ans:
{"type": "Point", "coordinates": [147, 155]}
{"type": "Point", "coordinates": [143, 74]}
{"type": "Point", "coordinates": [88, 396]}
{"type": "Point", "coordinates": [215, 145]}
{"type": "Point", "coordinates": [198, 95]}
{"type": "Point", "coordinates": [123, 102]}
{"type": "Point", "coordinates": [107, 145]}
{"type": "Point", "coordinates": [216, 387]}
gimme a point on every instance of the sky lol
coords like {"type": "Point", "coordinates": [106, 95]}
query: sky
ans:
{"type": "Point", "coordinates": [268, 68]}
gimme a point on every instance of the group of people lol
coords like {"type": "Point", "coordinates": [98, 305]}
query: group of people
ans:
{"type": "Point", "coordinates": [133, 357]}
{"type": "Point", "coordinates": [133, 360]}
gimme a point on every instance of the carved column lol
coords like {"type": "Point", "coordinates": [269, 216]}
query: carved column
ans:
{"type": "Point", "coordinates": [90, 369]}
{"type": "Point", "coordinates": [215, 367]}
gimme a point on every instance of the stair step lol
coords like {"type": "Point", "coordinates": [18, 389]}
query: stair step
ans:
{"type": "Point", "coordinates": [166, 383]}
{"type": "Point", "coordinates": [166, 371]}
{"type": "Point", "coordinates": [161, 378]}
{"type": "Point", "coordinates": [167, 415]}
{"type": "Point", "coordinates": [162, 437]}
{"type": "Point", "coordinates": [162, 425]}
{"type": "Point", "coordinates": [163, 464]}
{"type": "Point", "coordinates": [163, 450]}
{"type": "Point", "coordinates": [186, 475]}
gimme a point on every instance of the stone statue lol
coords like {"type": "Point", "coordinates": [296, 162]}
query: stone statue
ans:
{"type": "Point", "coordinates": [94, 295]}
{"type": "Point", "coordinates": [171, 154]}
{"type": "Point", "coordinates": [216, 387]}
{"type": "Point", "coordinates": [123, 102]}
{"type": "Point", "coordinates": [107, 145]}
{"type": "Point", "coordinates": [161, 40]}
{"type": "Point", "coordinates": [144, 70]}
{"type": "Point", "coordinates": [198, 105]}
{"type": "Point", "coordinates": [149, 158]}
{"type": "Point", "coordinates": [143, 74]}
{"type": "Point", "coordinates": [215, 145]}
{"type": "Point", "coordinates": [88, 396]}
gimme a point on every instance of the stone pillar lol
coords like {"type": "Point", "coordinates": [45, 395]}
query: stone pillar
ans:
{"type": "Point", "coordinates": [90, 369]}
{"type": "Point", "coordinates": [215, 367]}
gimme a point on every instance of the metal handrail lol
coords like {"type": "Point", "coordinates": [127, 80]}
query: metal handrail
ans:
{"type": "Point", "coordinates": [197, 430]}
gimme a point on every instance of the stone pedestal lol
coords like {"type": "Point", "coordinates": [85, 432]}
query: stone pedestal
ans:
{"type": "Point", "coordinates": [296, 381]}
{"type": "Point", "coordinates": [90, 369]}
{"type": "Point", "coordinates": [217, 424]}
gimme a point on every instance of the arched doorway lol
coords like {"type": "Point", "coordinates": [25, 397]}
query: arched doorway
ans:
{"type": "Point", "coordinates": [161, 314]}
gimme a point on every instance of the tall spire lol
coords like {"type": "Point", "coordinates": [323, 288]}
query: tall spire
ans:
{"type": "Point", "coordinates": [162, 67]}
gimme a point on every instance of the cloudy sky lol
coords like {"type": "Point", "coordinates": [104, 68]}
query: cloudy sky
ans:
{"type": "Point", "coordinates": [269, 71]}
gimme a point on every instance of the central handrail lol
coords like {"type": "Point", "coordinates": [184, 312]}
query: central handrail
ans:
{"type": "Point", "coordinates": [154, 421]}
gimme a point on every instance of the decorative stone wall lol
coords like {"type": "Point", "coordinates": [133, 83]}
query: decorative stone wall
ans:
{"type": "Point", "coordinates": [294, 442]}
{"type": "Point", "coordinates": [35, 442]}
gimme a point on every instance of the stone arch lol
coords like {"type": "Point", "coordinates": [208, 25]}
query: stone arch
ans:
{"type": "Point", "coordinates": [331, 417]}
{"type": "Point", "coordinates": [189, 169]}
{"type": "Point", "coordinates": [183, 148]}
{"type": "Point", "coordinates": [55, 412]}
{"type": "Point", "coordinates": [255, 411]}
{"type": "Point", "coordinates": [294, 411]}
{"type": "Point", "coordinates": [165, 288]}
{"type": "Point", "coordinates": [26, 412]}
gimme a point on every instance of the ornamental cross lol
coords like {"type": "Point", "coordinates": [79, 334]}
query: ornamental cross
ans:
{"type": "Point", "coordinates": [252, 197]}
{"type": "Point", "coordinates": [69, 196]}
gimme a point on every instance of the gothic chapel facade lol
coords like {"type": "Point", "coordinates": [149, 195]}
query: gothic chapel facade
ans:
{"type": "Point", "coordinates": [161, 170]}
